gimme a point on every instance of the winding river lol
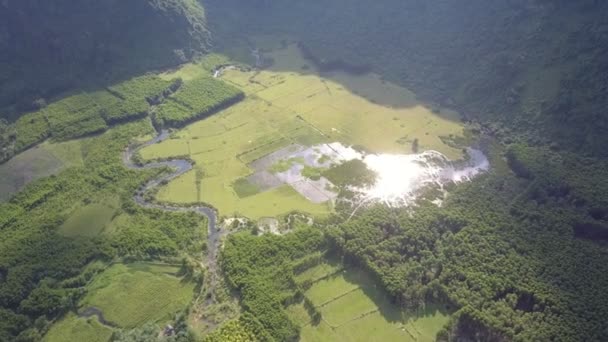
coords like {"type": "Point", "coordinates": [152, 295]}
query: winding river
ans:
{"type": "Point", "coordinates": [179, 167]}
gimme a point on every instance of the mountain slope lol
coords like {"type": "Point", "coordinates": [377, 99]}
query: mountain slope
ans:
{"type": "Point", "coordinates": [49, 47]}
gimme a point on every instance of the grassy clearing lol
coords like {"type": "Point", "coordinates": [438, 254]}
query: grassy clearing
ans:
{"type": "Point", "coordinates": [73, 328]}
{"type": "Point", "coordinates": [37, 162]}
{"type": "Point", "coordinates": [285, 107]}
{"type": "Point", "coordinates": [318, 272]}
{"type": "Point", "coordinates": [90, 220]}
{"type": "Point", "coordinates": [131, 295]}
{"type": "Point", "coordinates": [355, 309]}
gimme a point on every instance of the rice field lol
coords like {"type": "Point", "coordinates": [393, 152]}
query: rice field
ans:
{"type": "Point", "coordinates": [354, 308]}
{"type": "Point", "coordinates": [285, 107]}
{"type": "Point", "coordinates": [130, 295]}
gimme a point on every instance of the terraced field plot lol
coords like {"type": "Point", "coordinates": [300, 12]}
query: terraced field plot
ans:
{"type": "Point", "coordinates": [354, 308]}
{"type": "Point", "coordinates": [131, 295]}
{"type": "Point", "coordinates": [73, 328]}
{"type": "Point", "coordinates": [285, 107]}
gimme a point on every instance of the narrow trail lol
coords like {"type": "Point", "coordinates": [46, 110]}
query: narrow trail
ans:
{"type": "Point", "coordinates": [179, 167]}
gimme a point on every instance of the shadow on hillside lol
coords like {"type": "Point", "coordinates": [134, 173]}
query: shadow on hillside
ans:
{"type": "Point", "coordinates": [290, 56]}
{"type": "Point", "coordinates": [386, 307]}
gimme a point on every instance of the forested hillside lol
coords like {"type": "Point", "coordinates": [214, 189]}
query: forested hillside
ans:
{"type": "Point", "coordinates": [533, 69]}
{"type": "Point", "coordinates": [519, 253]}
{"type": "Point", "coordinates": [49, 47]}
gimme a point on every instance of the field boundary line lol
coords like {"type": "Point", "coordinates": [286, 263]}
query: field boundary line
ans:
{"type": "Point", "coordinates": [325, 276]}
{"type": "Point", "coordinates": [338, 297]}
{"type": "Point", "coordinates": [363, 315]}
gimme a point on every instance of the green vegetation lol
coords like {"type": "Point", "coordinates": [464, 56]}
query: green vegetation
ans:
{"type": "Point", "coordinates": [85, 113]}
{"type": "Point", "coordinates": [89, 220]}
{"type": "Point", "coordinates": [284, 165]}
{"type": "Point", "coordinates": [260, 268]}
{"type": "Point", "coordinates": [518, 254]}
{"type": "Point", "coordinates": [74, 117]}
{"type": "Point", "coordinates": [43, 272]}
{"type": "Point", "coordinates": [351, 173]}
{"type": "Point", "coordinates": [42, 161]}
{"type": "Point", "coordinates": [50, 57]}
{"type": "Point", "coordinates": [354, 308]}
{"type": "Point", "coordinates": [313, 173]}
{"type": "Point", "coordinates": [89, 113]}
{"type": "Point", "coordinates": [244, 188]}
{"type": "Point", "coordinates": [287, 284]}
{"type": "Point", "coordinates": [246, 329]}
{"type": "Point", "coordinates": [149, 87]}
{"type": "Point", "coordinates": [30, 129]}
{"type": "Point", "coordinates": [72, 328]}
{"type": "Point", "coordinates": [470, 253]}
{"type": "Point", "coordinates": [281, 109]}
{"type": "Point", "coordinates": [131, 295]}
{"type": "Point", "coordinates": [195, 100]}
{"type": "Point", "coordinates": [135, 96]}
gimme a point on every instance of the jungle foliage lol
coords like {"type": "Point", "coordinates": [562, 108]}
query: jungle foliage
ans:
{"type": "Point", "coordinates": [196, 100]}
{"type": "Point", "coordinates": [41, 270]}
{"type": "Point", "coordinates": [85, 113]}
{"type": "Point", "coordinates": [246, 329]}
{"type": "Point", "coordinates": [261, 269]}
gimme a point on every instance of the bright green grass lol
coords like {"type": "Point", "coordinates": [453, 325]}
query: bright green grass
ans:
{"type": "Point", "coordinates": [376, 327]}
{"type": "Point", "coordinates": [287, 107]}
{"type": "Point", "coordinates": [327, 289]}
{"type": "Point", "coordinates": [73, 328]}
{"type": "Point", "coordinates": [89, 220]}
{"type": "Point", "coordinates": [131, 295]}
{"type": "Point", "coordinates": [354, 308]}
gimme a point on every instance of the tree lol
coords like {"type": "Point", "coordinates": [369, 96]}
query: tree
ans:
{"type": "Point", "coordinates": [415, 146]}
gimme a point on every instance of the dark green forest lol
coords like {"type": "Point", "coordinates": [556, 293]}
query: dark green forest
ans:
{"type": "Point", "coordinates": [519, 254]}
{"type": "Point", "coordinates": [52, 47]}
